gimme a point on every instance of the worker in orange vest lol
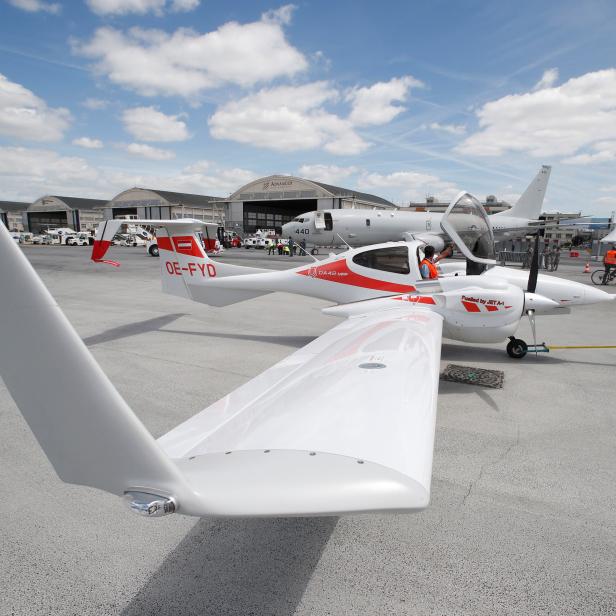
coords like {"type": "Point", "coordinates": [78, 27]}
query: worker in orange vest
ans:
{"type": "Point", "coordinates": [427, 267]}
{"type": "Point", "coordinates": [609, 262]}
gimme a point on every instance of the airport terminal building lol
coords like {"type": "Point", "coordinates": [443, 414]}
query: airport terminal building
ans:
{"type": "Point", "coordinates": [270, 202]}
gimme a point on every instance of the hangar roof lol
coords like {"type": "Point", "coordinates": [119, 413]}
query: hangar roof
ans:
{"type": "Point", "coordinates": [275, 187]}
{"type": "Point", "coordinates": [48, 202]}
{"type": "Point", "coordinates": [337, 191]}
{"type": "Point", "coordinates": [13, 206]}
{"type": "Point", "coordinates": [177, 198]}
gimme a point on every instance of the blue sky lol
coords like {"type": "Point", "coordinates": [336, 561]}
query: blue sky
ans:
{"type": "Point", "coordinates": [402, 99]}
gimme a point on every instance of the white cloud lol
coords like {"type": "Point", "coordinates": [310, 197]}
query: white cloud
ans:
{"type": "Point", "coordinates": [287, 118]}
{"type": "Point", "coordinates": [409, 185]}
{"type": "Point", "coordinates": [607, 200]}
{"type": "Point", "coordinates": [604, 151]}
{"type": "Point", "coordinates": [186, 63]}
{"type": "Point", "coordinates": [149, 124]}
{"type": "Point", "coordinates": [87, 142]}
{"type": "Point", "coordinates": [26, 174]}
{"type": "Point", "coordinates": [374, 104]}
{"type": "Point", "coordinates": [556, 121]}
{"type": "Point", "coordinates": [452, 129]}
{"type": "Point", "coordinates": [34, 6]}
{"type": "Point", "coordinates": [280, 15]}
{"type": "Point", "coordinates": [26, 116]}
{"type": "Point", "coordinates": [329, 174]}
{"type": "Point", "coordinates": [141, 7]}
{"type": "Point", "coordinates": [95, 104]}
{"type": "Point", "coordinates": [40, 171]}
{"type": "Point", "coordinates": [183, 6]}
{"type": "Point", "coordinates": [147, 151]}
{"type": "Point", "coordinates": [548, 79]}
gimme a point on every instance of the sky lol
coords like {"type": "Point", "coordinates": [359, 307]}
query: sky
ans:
{"type": "Point", "coordinates": [402, 99]}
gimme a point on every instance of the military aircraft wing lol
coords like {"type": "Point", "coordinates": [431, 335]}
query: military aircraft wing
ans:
{"type": "Point", "coordinates": [345, 424]}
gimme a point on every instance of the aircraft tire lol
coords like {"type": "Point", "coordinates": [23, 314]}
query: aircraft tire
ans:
{"type": "Point", "coordinates": [154, 251]}
{"type": "Point", "coordinates": [516, 348]}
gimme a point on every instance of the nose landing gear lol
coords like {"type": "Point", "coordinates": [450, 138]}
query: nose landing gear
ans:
{"type": "Point", "coordinates": [516, 348]}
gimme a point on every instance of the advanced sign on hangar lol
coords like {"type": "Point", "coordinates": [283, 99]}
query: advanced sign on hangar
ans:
{"type": "Point", "coordinates": [272, 201]}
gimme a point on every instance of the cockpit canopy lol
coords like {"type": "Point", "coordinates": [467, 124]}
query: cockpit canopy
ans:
{"type": "Point", "coordinates": [468, 225]}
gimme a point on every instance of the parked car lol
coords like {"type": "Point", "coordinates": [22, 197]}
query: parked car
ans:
{"type": "Point", "coordinates": [79, 239]}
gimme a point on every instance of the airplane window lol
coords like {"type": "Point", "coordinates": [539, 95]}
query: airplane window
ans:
{"type": "Point", "coordinates": [329, 223]}
{"type": "Point", "coordinates": [394, 259]}
{"type": "Point", "coordinates": [367, 222]}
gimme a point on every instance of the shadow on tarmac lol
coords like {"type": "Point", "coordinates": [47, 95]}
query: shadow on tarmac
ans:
{"type": "Point", "coordinates": [470, 353]}
{"type": "Point", "coordinates": [132, 329]}
{"type": "Point", "coordinates": [237, 567]}
{"type": "Point", "coordinates": [288, 341]}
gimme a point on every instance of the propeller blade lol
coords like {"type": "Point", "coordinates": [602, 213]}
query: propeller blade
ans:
{"type": "Point", "coordinates": [534, 267]}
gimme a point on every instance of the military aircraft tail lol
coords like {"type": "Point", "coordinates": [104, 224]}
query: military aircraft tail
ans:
{"type": "Point", "coordinates": [530, 203]}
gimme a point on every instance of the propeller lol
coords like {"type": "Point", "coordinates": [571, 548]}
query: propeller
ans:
{"type": "Point", "coordinates": [531, 286]}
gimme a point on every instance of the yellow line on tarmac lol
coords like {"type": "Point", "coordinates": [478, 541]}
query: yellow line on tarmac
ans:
{"type": "Point", "coordinates": [613, 346]}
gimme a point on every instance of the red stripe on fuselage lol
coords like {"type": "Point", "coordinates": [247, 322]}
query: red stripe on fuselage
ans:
{"type": "Point", "coordinates": [339, 272]}
{"type": "Point", "coordinates": [417, 299]}
{"type": "Point", "coordinates": [470, 307]}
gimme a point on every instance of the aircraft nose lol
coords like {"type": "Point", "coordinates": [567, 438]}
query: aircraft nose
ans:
{"type": "Point", "coordinates": [592, 295]}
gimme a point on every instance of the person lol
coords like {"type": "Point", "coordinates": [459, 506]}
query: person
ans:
{"type": "Point", "coordinates": [272, 246]}
{"type": "Point", "coordinates": [427, 267]}
{"type": "Point", "coordinates": [609, 262]}
{"type": "Point", "coordinates": [303, 246]}
{"type": "Point", "coordinates": [279, 246]}
{"type": "Point", "coordinates": [291, 246]}
{"type": "Point", "coordinates": [286, 249]}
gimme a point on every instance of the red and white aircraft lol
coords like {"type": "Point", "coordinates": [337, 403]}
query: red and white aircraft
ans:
{"type": "Point", "coordinates": [360, 441]}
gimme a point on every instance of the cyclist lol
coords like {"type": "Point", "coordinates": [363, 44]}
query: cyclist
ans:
{"type": "Point", "coordinates": [609, 262]}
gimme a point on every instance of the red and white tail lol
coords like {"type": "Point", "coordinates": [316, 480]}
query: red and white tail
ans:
{"type": "Point", "coordinates": [185, 267]}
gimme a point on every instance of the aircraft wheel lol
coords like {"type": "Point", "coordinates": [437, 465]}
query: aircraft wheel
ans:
{"type": "Point", "coordinates": [516, 348]}
{"type": "Point", "coordinates": [154, 251]}
{"type": "Point", "coordinates": [314, 251]}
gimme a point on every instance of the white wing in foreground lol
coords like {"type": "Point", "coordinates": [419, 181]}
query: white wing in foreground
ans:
{"type": "Point", "coordinates": [345, 424]}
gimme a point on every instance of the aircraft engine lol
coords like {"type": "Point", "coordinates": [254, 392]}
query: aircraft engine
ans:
{"type": "Point", "coordinates": [431, 239]}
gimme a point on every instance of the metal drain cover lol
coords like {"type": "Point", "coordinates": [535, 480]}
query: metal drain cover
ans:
{"type": "Point", "coordinates": [473, 376]}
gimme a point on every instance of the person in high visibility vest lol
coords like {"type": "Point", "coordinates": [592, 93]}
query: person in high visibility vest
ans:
{"type": "Point", "coordinates": [427, 267]}
{"type": "Point", "coordinates": [609, 262]}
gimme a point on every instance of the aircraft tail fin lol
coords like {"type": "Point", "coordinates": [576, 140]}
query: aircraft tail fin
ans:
{"type": "Point", "coordinates": [530, 203]}
{"type": "Point", "coordinates": [88, 432]}
{"type": "Point", "coordinates": [185, 266]}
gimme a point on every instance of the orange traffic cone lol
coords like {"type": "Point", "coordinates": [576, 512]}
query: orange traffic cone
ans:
{"type": "Point", "coordinates": [587, 268]}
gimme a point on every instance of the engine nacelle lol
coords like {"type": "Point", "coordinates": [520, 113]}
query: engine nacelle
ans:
{"type": "Point", "coordinates": [474, 314]}
{"type": "Point", "coordinates": [431, 239]}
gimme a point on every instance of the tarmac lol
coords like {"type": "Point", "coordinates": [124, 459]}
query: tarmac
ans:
{"type": "Point", "coordinates": [522, 518]}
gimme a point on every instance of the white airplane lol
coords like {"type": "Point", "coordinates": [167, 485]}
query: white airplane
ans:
{"type": "Point", "coordinates": [364, 227]}
{"type": "Point", "coordinates": [344, 425]}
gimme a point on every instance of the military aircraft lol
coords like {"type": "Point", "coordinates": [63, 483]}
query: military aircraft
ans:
{"type": "Point", "coordinates": [358, 433]}
{"type": "Point", "coordinates": [363, 227]}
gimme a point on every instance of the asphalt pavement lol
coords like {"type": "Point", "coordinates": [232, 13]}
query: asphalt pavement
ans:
{"type": "Point", "coordinates": [523, 512]}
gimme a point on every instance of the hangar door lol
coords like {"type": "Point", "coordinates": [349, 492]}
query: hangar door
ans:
{"type": "Point", "coordinates": [274, 214]}
{"type": "Point", "coordinates": [41, 221]}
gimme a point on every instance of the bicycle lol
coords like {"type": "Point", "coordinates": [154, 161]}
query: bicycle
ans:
{"type": "Point", "coordinates": [599, 275]}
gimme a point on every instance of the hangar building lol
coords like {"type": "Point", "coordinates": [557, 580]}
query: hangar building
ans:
{"type": "Point", "coordinates": [272, 201]}
{"type": "Point", "coordinates": [162, 204]}
{"type": "Point", "coordinates": [11, 214]}
{"type": "Point", "coordinates": [55, 211]}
